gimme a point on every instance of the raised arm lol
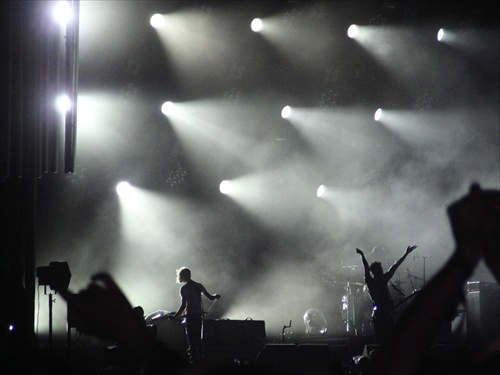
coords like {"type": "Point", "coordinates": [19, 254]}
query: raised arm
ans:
{"type": "Point", "coordinates": [422, 319]}
{"type": "Point", "coordinates": [365, 263]}
{"type": "Point", "coordinates": [396, 264]}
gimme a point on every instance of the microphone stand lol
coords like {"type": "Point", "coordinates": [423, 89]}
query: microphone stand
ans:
{"type": "Point", "coordinates": [401, 294]}
{"type": "Point", "coordinates": [424, 259]}
{"type": "Point", "coordinates": [283, 331]}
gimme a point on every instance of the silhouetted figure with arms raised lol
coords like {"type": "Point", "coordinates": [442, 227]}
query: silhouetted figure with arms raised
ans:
{"type": "Point", "coordinates": [475, 223]}
{"type": "Point", "coordinates": [191, 309]}
{"type": "Point", "coordinates": [383, 307]}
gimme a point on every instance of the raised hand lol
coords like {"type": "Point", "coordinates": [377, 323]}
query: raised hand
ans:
{"type": "Point", "coordinates": [409, 249]}
{"type": "Point", "coordinates": [102, 309]}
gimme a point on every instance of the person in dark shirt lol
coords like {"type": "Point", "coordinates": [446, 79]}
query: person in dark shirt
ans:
{"type": "Point", "coordinates": [383, 307]}
{"type": "Point", "coordinates": [191, 309]}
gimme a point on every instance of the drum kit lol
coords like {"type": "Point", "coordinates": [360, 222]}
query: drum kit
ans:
{"type": "Point", "coordinates": [356, 304]}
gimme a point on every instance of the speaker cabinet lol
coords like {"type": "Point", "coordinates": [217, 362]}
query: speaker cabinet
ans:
{"type": "Point", "coordinates": [483, 311]}
{"type": "Point", "coordinates": [295, 359]}
{"type": "Point", "coordinates": [234, 333]}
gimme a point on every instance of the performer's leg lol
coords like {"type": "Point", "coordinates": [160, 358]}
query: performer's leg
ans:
{"type": "Point", "coordinates": [193, 334]}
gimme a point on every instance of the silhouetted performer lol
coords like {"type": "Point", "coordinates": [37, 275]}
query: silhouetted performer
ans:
{"type": "Point", "coordinates": [192, 310]}
{"type": "Point", "coordinates": [383, 308]}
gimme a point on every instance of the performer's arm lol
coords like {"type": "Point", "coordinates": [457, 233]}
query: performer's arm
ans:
{"type": "Point", "coordinates": [365, 263]}
{"type": "Point", "coordinates": [181, 308]}
{"type": "Point", "coordinates": [395, 266]}
{"type": "Point", "coordinates": [208, 295]}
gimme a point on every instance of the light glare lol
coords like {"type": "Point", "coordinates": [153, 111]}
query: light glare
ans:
{"type": "Point", "coordinates": [157, 21]}
{"type": "Point", "coordinates": [321, 191]}
{"type": "Point", "coordinates": [286, 111]}
{"type": "Point", "coordinates": [257, 25]}
{"type": "Point", "coordinates": [440, 35]}
{"type": "Point", "coordinates": [378, 114]}
{"type": "Point", "coordinates": [63, 104]}
{"type": "Point", "coordinates": [123, 188]}
{"type": "Point", "coordinates": [352, 31]}
{"type": "Point", "coordinates": [168, 108]}
{"type": "Point", "coordinates": [225, 187]}
{"type": "Point", "coordinates": [62, 13]}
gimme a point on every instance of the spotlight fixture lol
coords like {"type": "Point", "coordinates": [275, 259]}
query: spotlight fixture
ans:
{"type": "Point", "coordinates": [256, 25]}
{"type": "Point", "coordinates": [157, 21]}
{"type": "Point", "coordinates": [63, 104]}
{"type": "Point", "coordinates": [441, 35]}
{"type": "Point", "coordinates": [286, 112]}
{"type": "Point", "coordinates": [378, 114]}
{"type": "Point", "coordinates": [168, 108]}
{"type": "Point", "coordinates": [62, 12]}
{"type": "Point", "coordinates": [321, 191]}
{"type": "Point", "coordinates": [123, 188]}
{"type": "Point", "coordinates": [353, 31]}
{"type": "Point", "coordinates": [225, 187]}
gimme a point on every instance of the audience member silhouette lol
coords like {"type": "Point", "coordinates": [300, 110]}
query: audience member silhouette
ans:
{"type": "Point", "coordinates": [475, 226]}
{"type": "Point", "coordinates": [475, 223]}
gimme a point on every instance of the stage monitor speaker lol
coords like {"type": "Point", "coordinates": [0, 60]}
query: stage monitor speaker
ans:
{"type": "Point", "coordinates": [234, 333]}
{"type": "Point", "coordinates": [303, 359]}
{"type": "Point", "coordinates": [483, 311]}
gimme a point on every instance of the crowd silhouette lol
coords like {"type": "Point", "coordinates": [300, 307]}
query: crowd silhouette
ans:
{"type": "Point", "coordinates": [105, 312]}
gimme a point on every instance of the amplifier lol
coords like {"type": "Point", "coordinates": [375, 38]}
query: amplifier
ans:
{"type": "Point", "coordinates": [234, 333]}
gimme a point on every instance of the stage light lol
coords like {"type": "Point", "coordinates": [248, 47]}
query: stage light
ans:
{"type": "Point", "coordinates": [256, 25]}
{"type": "Point", "coordinates": [63, 104]}
{"type": "Point", "coordinates": [157, 21]}
{"type": "Point", "coordinates": [321, 191]}
{"type": "Point", "coordinates": [352, 31]}
{"type": "Point", "coordinates": [168, 108]}
{"type": "Point", "coordinates": [62, 12]}
{"type": "Point", "coordinates": [441, 35]}
{"type": "Point", "coordinates": [286, 111]}
{"type": "Point", "coordinates": [378, 114]}
{"type": "Point", "coordinates": [123, 188]}
{"type": "Point", "coordinates": [225, 187]}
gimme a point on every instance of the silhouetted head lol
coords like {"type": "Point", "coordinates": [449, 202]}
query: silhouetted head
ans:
{"type": "Point", "coordinates": [376, 269]}
{"type": "Point", "coordinates": [183, 275]}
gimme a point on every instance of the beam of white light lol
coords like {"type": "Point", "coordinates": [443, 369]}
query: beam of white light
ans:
{"type": "Point", "coordinates": [291, 37]}
{"type": "Point", "coordinates": [203, 128]}
{"type": "Point", "coordinates": [195, 45]}
{"type": "Point", "coordinates": [441, 136]}
{"type": "Point", "coordinates": [352, 31]}
{"type": "Point", "coordinates": [402, 50]}
{"type": "Point", "coordinates": [257, 25]}
{"type": "Point", "coordinates": [63, 104]}
{"type": "Point", "coordinates": [157, 21]}
{"type": "Point", "coordinates": [286, 112]}
{"type": "Point", "coordinates": [62, 13]}
{"type": "Point", "coordinates": [378, 114]}
{"type": "Point", "coordinates": [165, 231]}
